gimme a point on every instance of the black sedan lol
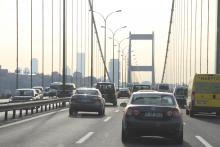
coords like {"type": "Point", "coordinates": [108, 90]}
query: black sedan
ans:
{"type": "Point", "coordinates": [87, 99]}
{"type": "Point", "coordinates": [123, 92]}
{"type": "Point", "coordinates": [152, 114]}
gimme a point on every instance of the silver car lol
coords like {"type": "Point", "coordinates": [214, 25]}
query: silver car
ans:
{"type": "Point", "coordinates": [25, 94]}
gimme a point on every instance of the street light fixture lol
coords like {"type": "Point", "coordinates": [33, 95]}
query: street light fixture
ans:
{"type": "Point", "coordinates": [105, 26]}
{"type": "Point", "coordinates": [113, 42]}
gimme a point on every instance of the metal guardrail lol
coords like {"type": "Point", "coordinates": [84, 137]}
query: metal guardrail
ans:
{"type": "Point", "coordinates": [31, 105]}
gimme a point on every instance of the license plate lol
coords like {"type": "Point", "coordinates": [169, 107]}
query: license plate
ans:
{"type": "Point", "coordinates": [85, 100]}
{"type": "Point", "coordinates": [153, 114]}
{"type": "Point", "coordinates": [202, 102]}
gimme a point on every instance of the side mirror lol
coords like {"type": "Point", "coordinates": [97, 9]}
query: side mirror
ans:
{"type": "Point", "coordinates": [124, 104]}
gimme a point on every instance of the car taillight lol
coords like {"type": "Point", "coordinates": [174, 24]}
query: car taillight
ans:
{"type": "Point", "coordinates": [175, 113]}
{"type": "Point", "coordinates": [193, 97]}
{"type": "Point", "coordinates": [132, 112]}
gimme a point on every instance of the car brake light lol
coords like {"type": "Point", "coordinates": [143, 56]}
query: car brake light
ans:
{"type": "Point", "coordinates": [174, 113]}
{"type": "Point", "coordinates": [132, 112]}
{"type": "Point", "coordinates": [193, 97]}
{"type": "Point", "coordinates": [129, 112]}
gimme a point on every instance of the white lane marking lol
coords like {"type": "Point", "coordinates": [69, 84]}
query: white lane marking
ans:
{"type": "Point", "coordinates": [184, 123]}
{"type": "Point", "coordinates": [117, 110]}
{"type": "Point", "coordinates": [29, 119]}
{"type": "Point", "coordinates": [203, 141]}
{"type": "Point", "coordinates": [107, 119]}
{"type": "Point", "coordinates": [84, 138]}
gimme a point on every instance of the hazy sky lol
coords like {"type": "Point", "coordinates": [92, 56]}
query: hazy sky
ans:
{"type": "Point", "coordinates": [140, 16]}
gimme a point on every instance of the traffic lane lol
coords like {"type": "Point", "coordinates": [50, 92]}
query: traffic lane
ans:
{"type": "Point", "coordinates": [110, 135]}
{"type": "Point", "coordinates": [52, 130]}
{"type": "Point", "coordinates": [206, 126]}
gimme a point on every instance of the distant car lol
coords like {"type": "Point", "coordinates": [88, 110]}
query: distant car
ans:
{"type": "Point", "coordinates": [124, 92]}
{"type": "Point", "coordinates": [58, 86]}
{"type": "Point", "coordinates": [181, 93]}
{"type": "Point", "coordinates": [108, 92]}
{"type": "Point", "coordinates": [23, 95]}
{"type": "Point", "coordinates": [87, 99]}
{"type": "Point", "coordinates": [152, 114]}
{"type": "Point", "coordinates": [163, 88]}
{"type": "Point", "coordinates": [39, 90]}
{"type": "Point", "coordinates": [137, 87]}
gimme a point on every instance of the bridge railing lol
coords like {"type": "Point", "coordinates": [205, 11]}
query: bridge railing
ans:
{"type": "Point", "coordinates": [43, 105]}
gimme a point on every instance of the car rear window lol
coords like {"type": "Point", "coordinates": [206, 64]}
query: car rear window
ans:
{"type": "Point", "coordinates": [164, 87]}
{"type": "Point", "coordinates": [151, 99]}
{"type": "Point", "coordinates": [141, 87]}
{"type": "Point", "coordinates": [207, 87]}
{"type": "Point", "coordinates": [89, 92]}
{"type": "Point", "coordinates": [181, 91]}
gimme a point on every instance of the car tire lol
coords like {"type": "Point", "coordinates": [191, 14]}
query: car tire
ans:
{"type": "Point", "coordinates": [115, 103]}
{"type": "Point", "coordinates": [191, 113]}
{"type": "Point", "coordinates": [124, 136]}
{"type": "Point", "coordinates": [102, 112]}
{"type": "Point", "coordinates": [70, 112]}
{"type": "Point", "coordinates": [179, 137]}
{"type": "Point", "coordinates": [187, 111]}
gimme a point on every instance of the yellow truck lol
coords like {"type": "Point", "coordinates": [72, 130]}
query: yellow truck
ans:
{"type": "Point", "coordinates": [203, 94]}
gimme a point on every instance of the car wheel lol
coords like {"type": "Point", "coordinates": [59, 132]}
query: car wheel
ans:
{"type": "Point", "coordinates": [187, 111]}
{"type": "Point", "coordinates": [70, 112]}
{"type": "Point", "coordinates": [101, 112]}
{"type": "Point", "coordinates": [191, 113]}
{"type": "Point", "coordinates": [179, 137]}
{"type": "Point", "coordinates": [124, 136]}
{"type": "Point", "coordinates": [115, 103]}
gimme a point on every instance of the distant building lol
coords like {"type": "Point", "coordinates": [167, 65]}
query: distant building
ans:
{"type": "Point", "coordinates": [80, 65]}
{"type": "Point", "coordinates": [3, 72]}
{"type": "Point", "coordinates": [26, 71]}
{"type": "Point", "coordinates": [68, 71]}
{"type": "Point", "coordinates": [116, 72]}
{"type": "Point", "coordinates": [34, 65]}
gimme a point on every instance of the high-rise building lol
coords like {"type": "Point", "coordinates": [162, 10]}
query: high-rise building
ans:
{"type": "Point", "coordinates": [34, 65]}
{"type": "Point", "coordinates": [80, 66]}
{"type": "Point", "coordinates": [116, 72]}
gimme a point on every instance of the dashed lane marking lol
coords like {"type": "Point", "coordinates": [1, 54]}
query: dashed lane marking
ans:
{"type": "Point", "coordinates": [84, 138]}
{"type": "Point", "coordinates": [107, 119]}
{"type": "Point", "coordinates": [203, 141]}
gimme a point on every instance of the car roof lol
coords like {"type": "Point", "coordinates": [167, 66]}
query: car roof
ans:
{"type": "Point", "coordinates": [146, 90]}
{"type": "Point", "coordinates": [152, 92]}
{"type": "Point", "coordinates": [26, 89]}
{"type": "Point", "coordinates": [105, 83]}
{"type": "Point", "coordinates": [85, 88]}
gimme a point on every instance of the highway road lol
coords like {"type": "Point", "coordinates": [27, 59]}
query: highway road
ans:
{"type": "Point", "coordinates": [57, 129]}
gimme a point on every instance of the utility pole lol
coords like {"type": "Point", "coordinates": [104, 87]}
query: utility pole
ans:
{"type": "Point", "coordinates": [92, 21]}
{"type": "Point", "coordinates": [64, 45]}
{"type": "Point", "coordinates": [218, 41]}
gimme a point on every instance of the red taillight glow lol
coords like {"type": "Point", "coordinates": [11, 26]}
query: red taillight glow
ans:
{"type": "Point", "coordinates": [132, 112]}
{"type": "Point", "coordinates": [174, 113]}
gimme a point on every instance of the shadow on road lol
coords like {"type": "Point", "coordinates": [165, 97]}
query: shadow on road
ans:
{"type": "Point", "coordinates": [86, 115]}
{"type": "Point", "coordinates": [154, 141]}
{"type": "Point", "coordinates": [210, 118]}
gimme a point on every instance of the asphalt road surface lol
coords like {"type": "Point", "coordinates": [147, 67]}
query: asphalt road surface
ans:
{"type": "Point", "coordinates": [57, 129]}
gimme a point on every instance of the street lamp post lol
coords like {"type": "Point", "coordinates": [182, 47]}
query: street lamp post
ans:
{"type": "Point", "coordinates": [119, 46]}
{"type": "Point", "coordinates": [113, 48]}
{"type": "Point", "coordinates": [105, 26]}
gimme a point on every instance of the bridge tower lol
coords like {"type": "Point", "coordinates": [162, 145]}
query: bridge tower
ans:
{"type": "Point", "coordinates": [141, 68]}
